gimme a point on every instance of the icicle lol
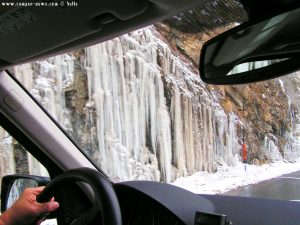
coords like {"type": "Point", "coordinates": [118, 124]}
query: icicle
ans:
{"type": "Point", "coordinates": [271, 149]}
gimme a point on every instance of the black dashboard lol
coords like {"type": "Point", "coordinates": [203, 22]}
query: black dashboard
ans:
{"type": "Point", "coordinates": [143, 210]}
{"type": "Point", "coordinates": [152, 203]}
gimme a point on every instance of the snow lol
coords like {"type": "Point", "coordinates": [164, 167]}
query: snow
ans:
{"type": "Point", "coordinates": [282, 85]}
{"type": "Point", "coordinates": [230, 178]}
{"type": "Point", "coordinates": [49, 222]}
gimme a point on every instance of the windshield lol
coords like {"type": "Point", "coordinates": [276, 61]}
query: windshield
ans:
{"type": "Point", "coordinates": [137, 107]}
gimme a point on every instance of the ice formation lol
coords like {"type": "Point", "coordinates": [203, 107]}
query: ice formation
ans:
{"type": "Point", "coordinates": [153, 112]}
{"type": "Point", "coordinates": [147, 114]}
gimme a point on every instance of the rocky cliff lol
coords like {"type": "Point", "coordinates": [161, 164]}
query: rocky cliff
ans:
{"type": "Point", "coordinates": [265, 109]}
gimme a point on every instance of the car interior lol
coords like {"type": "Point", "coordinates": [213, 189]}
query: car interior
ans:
{"type": "Point", "coordinates": [87, 195]}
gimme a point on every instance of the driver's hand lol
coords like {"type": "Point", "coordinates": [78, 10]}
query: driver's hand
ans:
{"type": "Point", "coordinates": [26, 210]}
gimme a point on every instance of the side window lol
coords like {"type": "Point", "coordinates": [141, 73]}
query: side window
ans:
{"type": "Point", "coordinates": [15, 159]}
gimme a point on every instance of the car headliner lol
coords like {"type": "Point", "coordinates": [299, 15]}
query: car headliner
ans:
{"type": "Point", "coordinates": [30, 33]}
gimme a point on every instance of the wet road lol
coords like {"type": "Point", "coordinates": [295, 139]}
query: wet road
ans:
{"type": "Point", "coordinates": [285, 187]}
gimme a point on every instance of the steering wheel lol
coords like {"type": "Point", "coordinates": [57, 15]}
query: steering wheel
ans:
{"type": "Point", "coordinates": [105, 197]}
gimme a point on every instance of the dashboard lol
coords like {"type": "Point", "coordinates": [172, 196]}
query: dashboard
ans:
{"type": "Point", "coordinates": [144, 210]}
{"type": "Point", "coordinates": [152, 203]}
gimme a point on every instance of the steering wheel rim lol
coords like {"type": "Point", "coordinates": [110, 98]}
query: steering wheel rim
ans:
{"type": "Point", "coordinates": [105, 197]}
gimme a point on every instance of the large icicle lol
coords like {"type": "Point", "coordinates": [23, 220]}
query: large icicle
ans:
{"type": "Point", "coordinates": [137, 128]}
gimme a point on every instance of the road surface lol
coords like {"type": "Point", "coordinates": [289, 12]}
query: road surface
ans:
{"type": "Point", "coordinates": [285, 187]}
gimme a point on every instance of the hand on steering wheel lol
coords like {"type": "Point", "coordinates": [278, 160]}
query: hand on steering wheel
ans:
{"type": "Point", "coordinates": [105, 197]}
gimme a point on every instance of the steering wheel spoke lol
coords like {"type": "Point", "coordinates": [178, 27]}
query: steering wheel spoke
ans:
{"type": "Point", "coordinates": [87, 217]}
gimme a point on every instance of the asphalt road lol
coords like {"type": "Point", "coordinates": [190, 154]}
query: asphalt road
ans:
{"type": "Point", "coordinates": [286, 187]}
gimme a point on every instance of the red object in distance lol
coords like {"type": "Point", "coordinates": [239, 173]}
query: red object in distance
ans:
{"type": "Point", "coordinates": [244, 153]}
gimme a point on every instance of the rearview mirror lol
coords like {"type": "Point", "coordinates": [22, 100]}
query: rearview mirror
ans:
{"type": "Point", "coordinates": [254, 51]}
{"type": "Point", "coordinates": [14, 185]}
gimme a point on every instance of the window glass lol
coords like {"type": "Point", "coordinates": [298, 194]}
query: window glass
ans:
{"type": "Point", "coordinates": [15, 159]}
{"type": "Point", "coordinates": [137, 107]}
{"type": "Point", "coordinates": [113, 101]}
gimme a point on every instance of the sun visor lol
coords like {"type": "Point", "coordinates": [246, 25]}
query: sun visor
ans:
{"type": "Point", "coordinates": [31, 28]}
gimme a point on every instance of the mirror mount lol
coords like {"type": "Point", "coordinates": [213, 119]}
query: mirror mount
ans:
{"type": "Point", "coordinates": [258, 8]}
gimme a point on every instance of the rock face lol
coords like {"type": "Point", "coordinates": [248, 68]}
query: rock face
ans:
{"type": "Point", "coordinates": [137, 106]}
{"type": "Point", "coordinates": [188, 31]}
{"type": "Point", "coordinates": [266, 110]}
